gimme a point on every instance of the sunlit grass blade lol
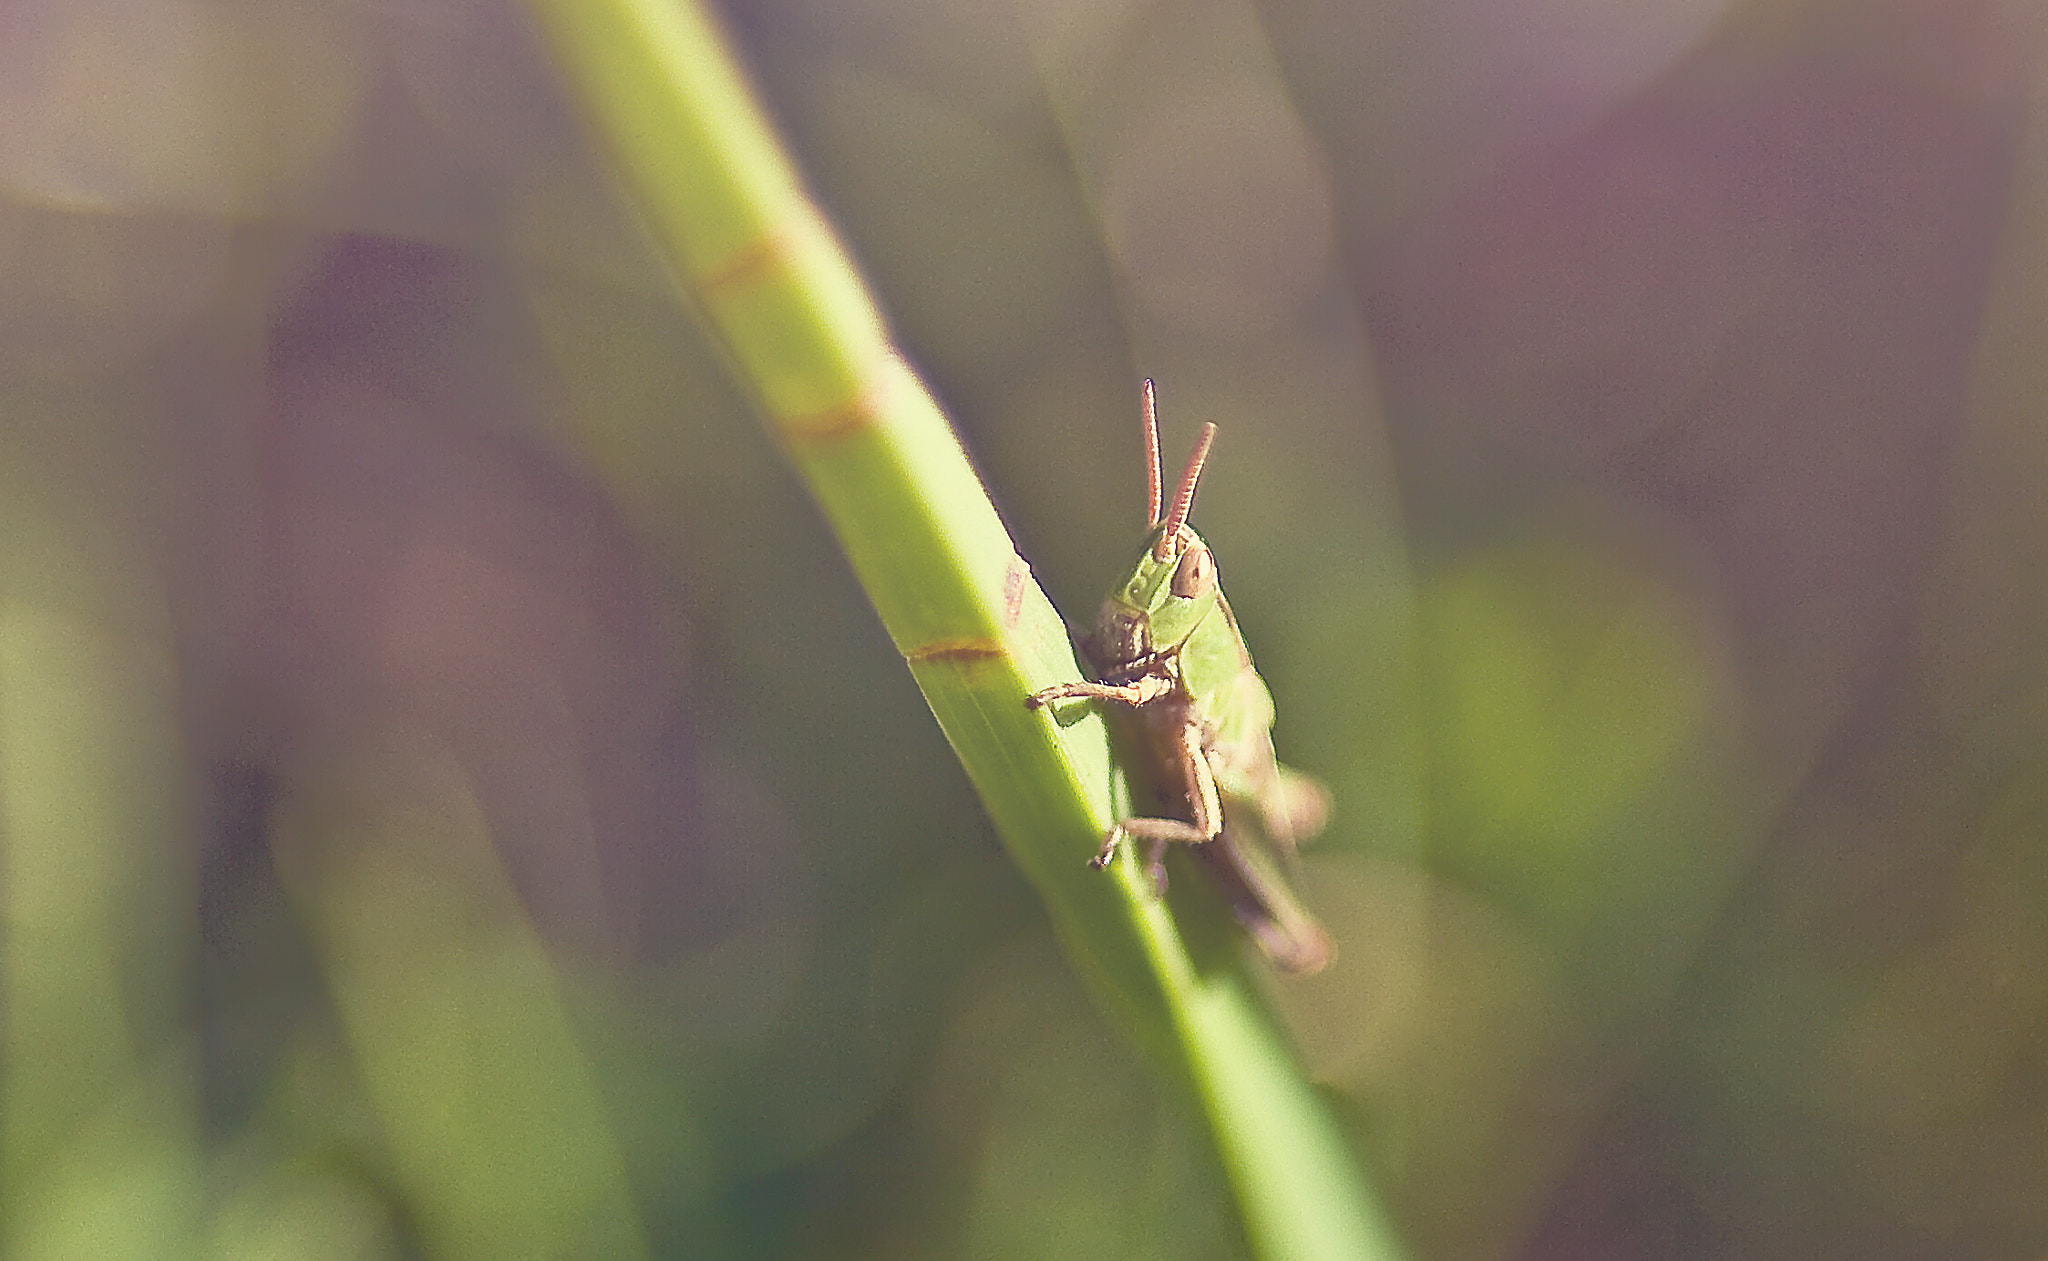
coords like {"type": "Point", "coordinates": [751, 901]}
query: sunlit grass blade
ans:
{"type": "Point", "coordinates": [724, 204]}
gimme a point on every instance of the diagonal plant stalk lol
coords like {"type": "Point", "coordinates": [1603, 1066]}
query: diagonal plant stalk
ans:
{"type": "Point", "coordinates": [723, 202]}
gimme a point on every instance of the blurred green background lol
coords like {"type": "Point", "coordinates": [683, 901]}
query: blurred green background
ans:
{"type": "Point", "coordinates": [455, 802]}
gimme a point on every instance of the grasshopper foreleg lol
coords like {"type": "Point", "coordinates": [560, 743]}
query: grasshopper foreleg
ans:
{"type": "Point", "coordinates": [1147, 689]}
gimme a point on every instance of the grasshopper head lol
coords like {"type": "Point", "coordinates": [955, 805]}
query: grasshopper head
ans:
{"type": "Point", "coordinates": [1165, 598]}
{"type": "Point", "coordinates": [1173, 585]}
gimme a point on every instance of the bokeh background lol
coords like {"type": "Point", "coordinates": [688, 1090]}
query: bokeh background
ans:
{"type": "Point", "coordinates": [455, 803]}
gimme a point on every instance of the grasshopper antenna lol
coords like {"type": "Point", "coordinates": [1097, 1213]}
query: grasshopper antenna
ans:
{"type": "Point", "coordinates": [1184, 497]}
{"type": "Point", "coordinates": [1152, 487]}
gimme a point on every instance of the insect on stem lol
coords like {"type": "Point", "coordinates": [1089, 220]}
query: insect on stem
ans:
{"type": "Point", "coordinates": [1152, 487]}
{"type": "Point", "coordinates": [1184, 497]}
{"type": "Point", "coordinates": [1168, 665]}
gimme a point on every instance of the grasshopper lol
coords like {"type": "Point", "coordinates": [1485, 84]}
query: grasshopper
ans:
{"type": "Point", "coordinates": [1196, 722]}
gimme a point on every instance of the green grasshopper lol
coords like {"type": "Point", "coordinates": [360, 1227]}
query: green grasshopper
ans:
{"type": "Point", "coordinates": [1196, 723]}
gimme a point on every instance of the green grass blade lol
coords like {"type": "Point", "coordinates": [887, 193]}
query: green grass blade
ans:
{"type": "Point", "coordinates": [724, 204]}
{"type": "Point", "coordinates": [450, 1004]}
{"type": "Point", "coordinates": [100, 1133]}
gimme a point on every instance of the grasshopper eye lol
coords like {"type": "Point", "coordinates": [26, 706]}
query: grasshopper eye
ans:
{"type": "Point", "coordinates": [1195, 575]}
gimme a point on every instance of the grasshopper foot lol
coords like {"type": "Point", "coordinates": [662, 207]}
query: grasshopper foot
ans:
{"type": "Point", "coordinates": [1155, 857]}
{"type": "Point", "coordinates": [1107, 854]}
{"type": "Point", "coordinates": [1155, 866]}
